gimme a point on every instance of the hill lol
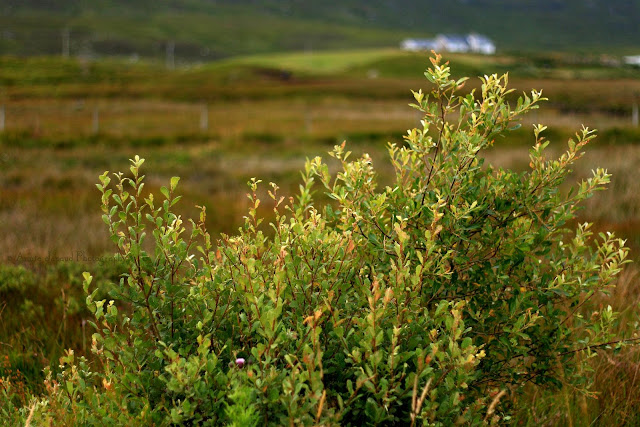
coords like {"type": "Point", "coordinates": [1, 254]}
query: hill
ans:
{"type": "Point", "coordinates": [211, 29]}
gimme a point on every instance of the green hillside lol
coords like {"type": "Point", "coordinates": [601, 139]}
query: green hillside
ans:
{"type": "Point", "coordinates": [211, 29]}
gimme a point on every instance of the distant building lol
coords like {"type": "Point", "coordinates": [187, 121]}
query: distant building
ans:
{"type": "Point", "coordinates": [452, 43]}
{"type": "Point", "coordinates": [481, 44]}
{"type": "Point", "coordinates": [473, 42]}
{"type": "Point", "coordinates": [632, 60]}
{"type": "Point", "coordinates": [416, 45]}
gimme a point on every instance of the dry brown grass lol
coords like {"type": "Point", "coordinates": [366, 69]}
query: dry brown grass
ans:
{"type": "Point", "coordinates": [615, 396]}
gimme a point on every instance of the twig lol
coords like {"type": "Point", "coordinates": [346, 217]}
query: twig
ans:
{"type": "Point", "coordinates": [600, 345]}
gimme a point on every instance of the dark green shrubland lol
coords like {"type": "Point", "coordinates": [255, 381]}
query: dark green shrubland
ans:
{"type": "Point", "coordinates": [433, 300]}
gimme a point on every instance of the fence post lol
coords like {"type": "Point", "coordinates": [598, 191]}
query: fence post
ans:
{"type": "Point", "coordinates": [95, 128]}
{"type": "Point", "coordinates": [634, 113]}
{"type": "Point", "coordinates": [308, 121]}
{"type": "Point", "coordinates": [2, 122]}
{"type": "Point", "coordinates": [204, 118]}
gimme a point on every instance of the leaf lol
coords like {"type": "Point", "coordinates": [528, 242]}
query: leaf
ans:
{"type": "Point", "coordinates": [164, 192]}
{"type": "Point", "coordinates": [174, 182]}
{"type": "Point", "coordinates": [350, 246]}
{"type": "Point", "coordinates": [466, 343]}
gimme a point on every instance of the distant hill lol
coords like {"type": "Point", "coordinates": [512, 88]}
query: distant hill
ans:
{"type": "Point", "coordinates": [210, 29]}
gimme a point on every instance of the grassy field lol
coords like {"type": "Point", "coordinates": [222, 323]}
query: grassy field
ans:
{"type": "Point", "coordinates": [220, 124]}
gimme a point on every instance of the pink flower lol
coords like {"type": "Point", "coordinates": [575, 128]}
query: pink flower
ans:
{"type": "Point", "coordinates": [239, 362]}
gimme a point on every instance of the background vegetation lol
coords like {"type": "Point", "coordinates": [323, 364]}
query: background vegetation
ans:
{"type": "Point", "coordinates": [211, 29]}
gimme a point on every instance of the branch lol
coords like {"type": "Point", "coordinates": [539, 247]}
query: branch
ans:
{"type": "Point", "coordinates": [587, 347]}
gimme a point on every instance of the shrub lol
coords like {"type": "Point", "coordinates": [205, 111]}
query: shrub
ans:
{"type": "Point", "coordinates": [433, 300]}
{"type": "Point", "coordinates": [15, 281]}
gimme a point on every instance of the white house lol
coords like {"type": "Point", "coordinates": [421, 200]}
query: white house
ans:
{"type": "Point", "coordinates": [416, 45]}
{"type": "Point", "coordinates": [452, 43]}
{"type": "Point", "coordinates": [632, 60]}
{"type": "Point", "coordinates": [473, 42]}
{"type": "Point", "coordinates": [481, 44]}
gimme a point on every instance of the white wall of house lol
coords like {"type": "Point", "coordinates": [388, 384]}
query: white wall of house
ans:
{"type": "Point", "coordinates": [481, 44]}
{"type": "Point", "coordinates": [451, 44]}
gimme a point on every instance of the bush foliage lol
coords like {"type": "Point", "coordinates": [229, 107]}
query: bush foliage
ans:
{"type": "Point", "coordinates": [433, 300]}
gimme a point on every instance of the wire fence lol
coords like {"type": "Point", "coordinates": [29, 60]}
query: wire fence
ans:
{"type": "Point", "coordinates": [268, 120]}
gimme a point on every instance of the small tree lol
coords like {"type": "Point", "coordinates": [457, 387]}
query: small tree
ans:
{"type": "Point", "coordinates": [424, 302]}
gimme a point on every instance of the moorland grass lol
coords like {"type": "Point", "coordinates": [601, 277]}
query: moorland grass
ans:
{"type": "Point", "coordinates": [259, 125]}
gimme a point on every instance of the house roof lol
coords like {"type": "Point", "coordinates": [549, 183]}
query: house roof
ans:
{"type": "Point", "coordinates": [479, 38]}
{"type": "Point", "coordinates": [454, 38]}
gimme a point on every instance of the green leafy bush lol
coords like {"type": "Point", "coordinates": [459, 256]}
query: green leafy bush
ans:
{"type": "Point", "coordinates": [433, 300]}
{"type": "Point", "coordinates": [15, 281]}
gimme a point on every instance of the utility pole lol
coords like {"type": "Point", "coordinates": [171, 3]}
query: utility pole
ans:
{"type": "Point", "coordinates": [170, 59]}
{"type": "Point", "coordinates": [66, 41]}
